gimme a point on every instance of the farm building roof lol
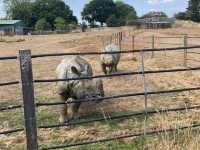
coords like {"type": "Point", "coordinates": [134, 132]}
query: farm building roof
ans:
{"type": "Point", "coordinates": [9, 22]}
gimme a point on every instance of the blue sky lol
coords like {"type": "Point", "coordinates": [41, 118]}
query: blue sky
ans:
{"type": "Point", "coordinates": [142, 6]}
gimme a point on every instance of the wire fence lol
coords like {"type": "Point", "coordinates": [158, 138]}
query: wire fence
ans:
{"type": "Point", "coordinates": [154, 132]}
{"type": "Point", "coordinates": [29, 103]}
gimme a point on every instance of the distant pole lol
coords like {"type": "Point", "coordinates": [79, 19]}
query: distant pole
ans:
{"type": "Point", "coordinates": [185, 50]}
{"type": "Point", "coordinates": [116, 37]}
{"type": "Point", "coordinates": [133, 44]}
{"type": "Point", "coordinates": [28, 99]}
{"type": "Point", "coordinates": [120, 40]}
{"type": "Point", "coordinates": [111, 39]}
{"type": "Point", "coordinates": [152, 45]}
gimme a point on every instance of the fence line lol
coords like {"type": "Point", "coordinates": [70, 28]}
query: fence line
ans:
{"type": "Point", "coordinates": [156, 111]}
{"type": "Point", "coordinates": [119, 37]}
{"type": "Point", "coordinates": [8, 58]}
{"type": "Point", "coordinates": [194, 60]}
{"type": "Point", "coordinates": [134, 114]}
{"type": "Point", "coordinates": [99, 53]}
{"type": "Point", "coordinates": [9, 83]}
{"type": "Point", "coordinates": [194, 53]}
{"type": "Point", "coordinates": [10, 107]}
{"type": "Point", "coordinates": [123, 137]}
{"type": "Point", "coordinates": [11, 131]}
{"type": "Point", "coordinates": [122, 52]}
{"type": "Point", "coordinates": [119, 96]}
{"type": "Point", "coordinates": [120, 74]}
{"type": "Point", "coordinates": [39, 104]}
{"type": "Point", "coordinates": [110, 75]}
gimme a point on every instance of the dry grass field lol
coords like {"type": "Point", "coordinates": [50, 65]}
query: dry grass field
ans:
{"type": "Point", "coordinates": [44, 68]}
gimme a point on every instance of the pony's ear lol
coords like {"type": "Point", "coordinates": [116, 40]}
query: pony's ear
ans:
{"type": "Point", "coordinates": [75, 71]}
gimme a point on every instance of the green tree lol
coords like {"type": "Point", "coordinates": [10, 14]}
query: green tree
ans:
{"type": "Point", "coordinates": [193, 10]}
{"type": "Point", "coordinates": [112, 21]}
{"type": "Point", "coordinates": [181, 16]}
{"type": "Point", "coordinates": [30, 11]}
{"type": "Point", "coordinates": [60, 23]}
{"type": "Point", "coordinates": [42, 25]}
{"type": "Point", "coordinates": [125, 12]}
{"type": "Point", "coordinates": [98, 10]}
{"type": "Point", "coordinates": [20, 10]}
{"type": "Point", "coordinates": [51, 9]}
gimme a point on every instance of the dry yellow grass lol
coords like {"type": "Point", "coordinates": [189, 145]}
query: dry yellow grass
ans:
{"type": "Point", "coordinates": [45, 68]}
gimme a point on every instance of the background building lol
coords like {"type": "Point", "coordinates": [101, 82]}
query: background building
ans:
{"type": "Point", "coordinates": [11, 27]}
{"type": "Point", "coordinates": [155, 20]}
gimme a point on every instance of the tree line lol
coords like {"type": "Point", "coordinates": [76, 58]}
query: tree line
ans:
{"type": "Point", "coordinates": [192, 12]}
{"type": "Point", "coordinates": [41, 14]}
{"type": "Point", "coordinates": [57, 15]}
{"type": "Point", "coordinates": [108, 12]}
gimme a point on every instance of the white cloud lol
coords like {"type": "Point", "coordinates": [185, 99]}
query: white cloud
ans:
{"type": "Point", "coordinates": [167, 1]}
{"type": "Point", "coordinates": [154, 2]}
{"type": "Point", "coordinates": [152, 9]}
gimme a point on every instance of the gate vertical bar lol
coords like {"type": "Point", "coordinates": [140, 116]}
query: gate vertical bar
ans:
{"type": "Point", "coordinates": [144, 78]}
{"type": "Point", "coordinates": [145, 90]}
{"type": "Point", "coordinates": [185, 50]}
{"type": "Point", "coordinates": [28, 99]}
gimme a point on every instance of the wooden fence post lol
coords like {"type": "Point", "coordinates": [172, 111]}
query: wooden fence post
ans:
{"type": "Point", "coordinates": [152, 45]}
{"type": "Point", "coordinates": [185, 50]}
{"type": "Point", "coordinates": [28, 99]}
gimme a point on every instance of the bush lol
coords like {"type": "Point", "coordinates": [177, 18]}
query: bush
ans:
{"type": "Point", "coordinates": [72, 26]}
{"type": "Point", "coordinates": [131, 23]}
{"type": "Point", "coordinates": [60, 24]}
{"type": "Point", "coordinates": [42, 25]}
